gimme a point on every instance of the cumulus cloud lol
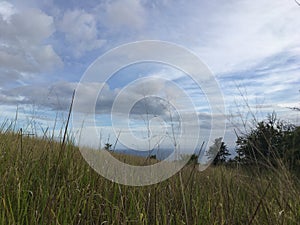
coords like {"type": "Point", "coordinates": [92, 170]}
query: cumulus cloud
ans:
{"type": "Point", "coordinates": [146, 97]}
{"type": "Point", "coordinates": [81, 32]}
{"type": "Point", "coordinates": [22, 47]}
{"type": "Point", "coordinates": [6, 10]}
{"type": "Point", "coordinates": [250, 43]}
{"type": "Point", "coordinates": [55, 97]}
{"type": "Point", "coordinates": [128, 14]}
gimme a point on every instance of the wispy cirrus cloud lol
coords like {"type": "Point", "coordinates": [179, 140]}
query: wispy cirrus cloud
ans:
{"type": "Point", "coordinates": [46, 45]}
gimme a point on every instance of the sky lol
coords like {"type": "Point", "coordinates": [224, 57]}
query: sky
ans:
{"type": "Point", "coordinates": [252, 49]}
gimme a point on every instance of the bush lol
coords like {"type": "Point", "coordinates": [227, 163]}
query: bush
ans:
{"type": "Point", "coordinates": [269, 142]}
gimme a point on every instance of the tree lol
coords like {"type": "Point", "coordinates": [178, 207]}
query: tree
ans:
{"type": "Point", "coordinates": [266, 142]}
{"type": "Point", "coordinates": [219, 152]}
{"type": "Point", "coordinates": [193, 159]}
{"type": "Point", "coordinates": [292, 156]}
{"type": "Point", "coordinates": [107, 146]}
{"type": "Point", "coordinates": [222, 155]}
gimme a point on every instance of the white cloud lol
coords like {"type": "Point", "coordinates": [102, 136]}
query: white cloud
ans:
{"type": "Point", "coordinates": [81, 32]}
{"type": "Point", "coordinates": [6, 10]}
{"type": "Point", "coordinates": [128, 14]}
{"type": "Point", "coordinates": [31, 26]}
{"type": "Point", "coordinates": [249, 33]}
{"type": "Point", "coordinates": [252, 43]}
{"type": "Point", "coordinates": [22, 50]}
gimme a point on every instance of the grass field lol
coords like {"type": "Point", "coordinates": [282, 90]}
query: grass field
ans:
{"type": "Point", "coordinates": [45, 183]}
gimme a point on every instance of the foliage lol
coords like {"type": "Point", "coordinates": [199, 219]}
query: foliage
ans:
{"type": "Point", "coordinates": [222, 155]}
{"type": "Point", "coordinates": [107, 146]}
{"type": "Point", "coordinates": [193, 159]}
{"type": "Point", "coordinates": [218, 152]}
{"type": "Point", "coordinates": [267, 143]}
{"type": "Point", "coordinates": [152, 156]}
{"type": "Point", "coordinates": [292, 157]}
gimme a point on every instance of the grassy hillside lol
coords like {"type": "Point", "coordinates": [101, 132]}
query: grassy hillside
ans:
{"type": "Point", "coordinates": [43, 183]}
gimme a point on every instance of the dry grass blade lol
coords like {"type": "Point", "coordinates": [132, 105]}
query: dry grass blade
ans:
{"type": "Point", "coordinates": [259, 203]}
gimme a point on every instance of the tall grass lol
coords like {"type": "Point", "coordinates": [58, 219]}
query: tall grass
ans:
{"type": "Point", "coordinates": [45, 185]}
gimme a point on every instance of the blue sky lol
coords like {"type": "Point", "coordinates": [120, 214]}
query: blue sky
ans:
{"type": "Point", "coordinates": [252, 48]}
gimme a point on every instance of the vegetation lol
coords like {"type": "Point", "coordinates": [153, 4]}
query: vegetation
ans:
{"type": "Point", "coordinates": [222, 154]}
{"type": "Point", "coordinates": [45, 182]}
{"type": "Point", "coordinates": [107, 146]}
{"type": "Point", "coordinates": [270, 143]}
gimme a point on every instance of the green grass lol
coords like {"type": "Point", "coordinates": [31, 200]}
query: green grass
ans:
{"type": "Point", "coordinates": [47, 184]}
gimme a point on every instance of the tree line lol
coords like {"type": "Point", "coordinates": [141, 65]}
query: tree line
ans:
{"type": "Point", "coordinates": [271, 142]}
